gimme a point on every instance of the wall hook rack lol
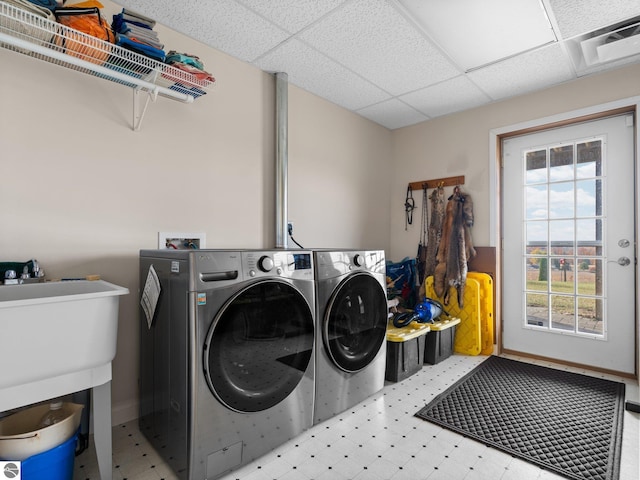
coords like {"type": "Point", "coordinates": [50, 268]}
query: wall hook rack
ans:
{"type": "Point", "coordinates": [438, 182]}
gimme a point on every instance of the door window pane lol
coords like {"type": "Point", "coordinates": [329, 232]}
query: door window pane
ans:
{"type": "Point", "coordinates": [562, 275]}
{"type": "Point", "coordinates": [536, 238]}
{"type": "Point", "coordinates": [589, 234]}
{"type": "Point", "coordinates": [561, 163]}
{"type": "Point", "coordinates": [588, 198]}
{"type": "Point", "coordinates": [536, 171]}
{"type": "Point", "coordinates": [563, 312]}
{"type": "Point", "coordinates": [589, 276]}
{"type": "Point", "coordinates": [589, 159]}
{"type": "Point", "coordinates": [536, 202]}
{"type": "Point", "coordinates": [561, 200]}
{"type": "Point", "coordinates": [561, 237]}
{"type": "Point", "coordinates": [537, 273]}
{"type": "Point", "coordinates": [537, 310]}
{"type": "Point", "coordinates": [590, 316]}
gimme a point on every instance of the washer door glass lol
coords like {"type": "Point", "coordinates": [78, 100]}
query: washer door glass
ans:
{"type": "Point", "coordinates": [355, 323]}
{"type": "Point", "coordinates": [259, 346]}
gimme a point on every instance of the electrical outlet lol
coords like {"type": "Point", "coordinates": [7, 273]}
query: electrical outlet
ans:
{"type": "Point", "coordinates": [181, 240]}
{"type": "Point", "coordinates": [290, 228]}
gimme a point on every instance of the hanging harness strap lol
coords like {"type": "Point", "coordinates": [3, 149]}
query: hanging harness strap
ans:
{"type": "Point", "coordinates": [421, 259]}
{"type": "Point", "coordinates": [425, 215]}
{"type": "Point", "coordinates": [409, 206]}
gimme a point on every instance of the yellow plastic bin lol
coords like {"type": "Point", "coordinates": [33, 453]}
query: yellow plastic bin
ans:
{"type": "Point", "coordinates": [405, 350]}
{"type": "Point", "coordinates": [439, 344]}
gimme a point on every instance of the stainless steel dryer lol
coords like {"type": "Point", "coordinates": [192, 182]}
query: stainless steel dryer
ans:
{"type": "Point", "coordinates": [226, 365]}
{"type": "Point", "coordinates": [351, 317]}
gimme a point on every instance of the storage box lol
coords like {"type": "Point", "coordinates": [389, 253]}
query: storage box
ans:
{"type": "Point", "coordinates": [405, 350]}
{"type": "Point", "coordinates": [439, 342]}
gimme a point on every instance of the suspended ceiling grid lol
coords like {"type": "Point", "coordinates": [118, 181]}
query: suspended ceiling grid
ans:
{"type": "Point", "coordinates": [401, 62]}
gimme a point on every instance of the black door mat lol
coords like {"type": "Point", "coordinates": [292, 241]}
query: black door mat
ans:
{"type": "Point", "coordinates": [565, 422]}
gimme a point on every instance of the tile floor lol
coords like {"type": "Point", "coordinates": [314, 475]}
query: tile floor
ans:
{"type": "Point", "coordinates": [379, 439]}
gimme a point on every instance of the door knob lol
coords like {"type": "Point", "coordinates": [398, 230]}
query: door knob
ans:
{"type": "Point", "coordinates": [624, 243]}
{"type": "Point", "coordinates": [624, 261]}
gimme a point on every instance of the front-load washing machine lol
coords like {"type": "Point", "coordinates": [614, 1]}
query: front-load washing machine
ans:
{"type": "Point", "coordinates": [351, 319]}
{"type": "Point", "coordinates": [226, 355]}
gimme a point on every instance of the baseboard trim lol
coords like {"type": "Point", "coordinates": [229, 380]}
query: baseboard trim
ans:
{"type": "Point", "coordinates": [124, 412]}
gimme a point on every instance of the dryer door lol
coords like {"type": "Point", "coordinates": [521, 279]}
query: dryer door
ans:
{"type": "Point", "coordinates": [355, 322]}
{"type": "Point", "coordinates": [259, 346]}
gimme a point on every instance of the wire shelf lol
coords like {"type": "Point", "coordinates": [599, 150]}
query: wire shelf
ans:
{"type": "Point", "coordinates": [43, 38]}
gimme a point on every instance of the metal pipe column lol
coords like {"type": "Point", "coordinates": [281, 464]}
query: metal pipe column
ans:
{"type": "Point", "coordinates": [282, 160]}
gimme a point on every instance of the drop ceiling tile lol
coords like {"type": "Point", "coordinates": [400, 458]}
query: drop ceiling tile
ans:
{"type": "Point", "coordinates": [374, 40]}
{"type": "Point", "coordinates": [312, 71]}
{"type": "Point", "coordinates": [576, 17]}
{"type": "Point", "coordinates": [224, 24]}
{"type": "Point", "coordinates": [361, 53]}
{"type": "Point", "coordinates": [292, 15]}
{"type": "Point", "coordinates": [447, 97]}
{"type": "Point", "coordinates": [524, 73]}
{"type": "Point", "coordinates": [475, 33]}
{"type": "Point", "coordinates": [392, 114]}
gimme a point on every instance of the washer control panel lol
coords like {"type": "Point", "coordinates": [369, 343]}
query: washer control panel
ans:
{"type": "Point", "coordinates": [265, 263]}
{"type": "Point", "coordinates": [289, 264]}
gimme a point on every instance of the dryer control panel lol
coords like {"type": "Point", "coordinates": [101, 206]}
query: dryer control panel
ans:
{"type": "Point", "coordinates": [286, 264]}
{"type": "Point", "coordinates": [369, 260]}
{"type": "Point", "coordinates": [331, 264]}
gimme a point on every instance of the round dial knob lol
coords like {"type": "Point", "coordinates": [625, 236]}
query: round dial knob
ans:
{"type": "Point", "coordinates": [358, 260]}
{"type": "Point", "coordinates": [265, 263]}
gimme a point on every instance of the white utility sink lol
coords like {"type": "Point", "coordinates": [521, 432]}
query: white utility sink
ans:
{"type": "Point", "coordinates": [59, 338]}
{"type": "Point", "coordinates": [55, 328]}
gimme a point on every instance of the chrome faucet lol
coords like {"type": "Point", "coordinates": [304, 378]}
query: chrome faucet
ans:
{"type": "Point", "coordinates": [37, 271]}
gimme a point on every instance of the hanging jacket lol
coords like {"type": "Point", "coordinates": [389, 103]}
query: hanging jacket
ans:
{"type": "Point", "coordinates": [434, 233]}
{"type": "Point", "coordinates": [455, 249]}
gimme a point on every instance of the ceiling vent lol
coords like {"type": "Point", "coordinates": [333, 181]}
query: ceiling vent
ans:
{"type": "Point", "coordinates": [611, 44]}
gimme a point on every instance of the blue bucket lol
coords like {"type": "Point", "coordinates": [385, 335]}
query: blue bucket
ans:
{"type": "Point", "coordinates": [54, 464]}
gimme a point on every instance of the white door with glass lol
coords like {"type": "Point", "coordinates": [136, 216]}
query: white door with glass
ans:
{"type": "Point", "coordinates": [569, 244]}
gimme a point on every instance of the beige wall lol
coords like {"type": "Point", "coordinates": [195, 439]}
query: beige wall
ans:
{"type": "Point", "coordinates": [82, 192]}
{"type": "Point", "coordinates": [458, 144]}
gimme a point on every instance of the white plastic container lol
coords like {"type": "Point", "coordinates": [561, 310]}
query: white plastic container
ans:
{"type": "Point", "coordinates": [22, 437]}
{"type": "Point", "coordinates": [55, 415]}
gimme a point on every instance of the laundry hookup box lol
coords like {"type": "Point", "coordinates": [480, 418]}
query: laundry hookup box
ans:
{"type": "Point", "coordinates": [405, 350]}
{"type": "Point", "coordinates": [440, 341]}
